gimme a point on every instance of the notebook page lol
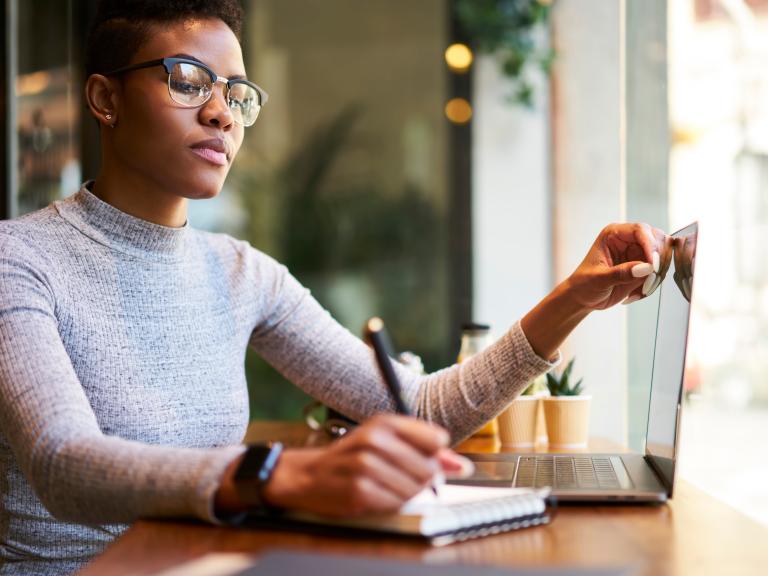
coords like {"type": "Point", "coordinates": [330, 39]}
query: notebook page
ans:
{"type": "Point", "coordinates": [455, 508]}
{"type": "Point", "coordinates": [450, 494]}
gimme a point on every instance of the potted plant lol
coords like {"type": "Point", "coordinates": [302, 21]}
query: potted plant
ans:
{"type": "Point", "coordinates": [519, 422]}
{"type": "Point", "coordinates": [566, 411]}
{"type": "Point", "coordinates": [515, 32]}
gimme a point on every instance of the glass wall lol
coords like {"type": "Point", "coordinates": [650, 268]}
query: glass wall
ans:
{"type": "Point", "coordinates": [48, 104]}
{"type": "Point", "coordinates": [719, 175]}
{"type": "Point", "coordinates": [344, 178]}
{"type": "Point", "coordinates": [697, 149]}
{"type": "Point", "coordinates": [646, 155]}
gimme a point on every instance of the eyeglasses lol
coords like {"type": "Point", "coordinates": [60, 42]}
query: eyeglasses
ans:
{"type": "Point", "coordinates": [190, 84]}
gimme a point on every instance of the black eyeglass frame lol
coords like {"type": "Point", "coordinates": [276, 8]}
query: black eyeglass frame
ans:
{"type": "Point", "coordinates": [169, 62]}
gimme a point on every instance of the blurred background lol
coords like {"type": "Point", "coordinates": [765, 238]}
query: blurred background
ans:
{"type": "Point", "coordinates": [444, 161]}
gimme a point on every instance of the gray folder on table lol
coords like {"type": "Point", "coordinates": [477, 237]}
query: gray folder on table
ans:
{"type": "Point", "coordinates": [285, 563]}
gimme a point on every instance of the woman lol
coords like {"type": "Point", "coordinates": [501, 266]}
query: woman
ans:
{"type": "Point", "coordinates": [123, 331]}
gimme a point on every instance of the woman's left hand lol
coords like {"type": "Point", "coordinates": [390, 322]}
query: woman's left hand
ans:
{"type": "Point", "coordinates": [626, 262]}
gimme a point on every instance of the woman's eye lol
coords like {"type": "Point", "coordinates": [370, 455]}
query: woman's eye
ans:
{"type": "Point", "coordinates": [187, 87]}
{"type": "Point", "coordinates": [241, 104]}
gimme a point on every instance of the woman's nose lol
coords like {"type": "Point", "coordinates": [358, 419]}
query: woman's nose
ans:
{"type": "Point", "coordinates": [216, 111]}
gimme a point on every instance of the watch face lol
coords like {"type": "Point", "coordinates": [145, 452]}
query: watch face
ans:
{"type": "Point", "coordinates": [258, 462]}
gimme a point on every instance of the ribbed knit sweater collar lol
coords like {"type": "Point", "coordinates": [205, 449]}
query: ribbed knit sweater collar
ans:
{"type": "Point", "coordinates": [111, 227]}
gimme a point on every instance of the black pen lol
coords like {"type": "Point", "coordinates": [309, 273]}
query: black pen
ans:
{"type": "Point", "coordinates": [376, 335]}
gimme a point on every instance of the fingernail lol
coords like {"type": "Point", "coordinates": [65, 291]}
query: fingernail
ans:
{"type": "Point", "coordinates": [467, 467]}
{"type": "Point", "coordinates": [655, 285]}
{"type": "Point", "coordinates": [648, 284]}
{"type": "Point", "coordinates": [641, 270]}
{"type": "Point", "coordinates": [656, 262]}
{"type": "Point", "coordinates": [457, 466]}
{"type": "Point", "coordinates": [631, 298]}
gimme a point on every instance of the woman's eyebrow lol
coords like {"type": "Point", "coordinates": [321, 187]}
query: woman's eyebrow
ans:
{"type": "Point", "coordinates": [190, 57]}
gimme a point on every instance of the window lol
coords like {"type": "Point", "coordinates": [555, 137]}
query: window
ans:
{"type": "Point", "coordinates": [345, 176]}
{"type": "Point", "coordinates": [719, 175]}
{"type": "Point", "coordinates": [47, 104]}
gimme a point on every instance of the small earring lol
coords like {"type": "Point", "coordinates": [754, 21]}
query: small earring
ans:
{"type": "Point", "coordinates": [108, 116]}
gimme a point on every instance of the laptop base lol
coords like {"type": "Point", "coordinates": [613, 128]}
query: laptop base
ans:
{"type": "Point", "coordinates": [578, 477]}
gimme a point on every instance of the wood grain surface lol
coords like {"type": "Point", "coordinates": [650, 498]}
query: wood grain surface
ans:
{"type": "Point", "coordinates": [693, 534]}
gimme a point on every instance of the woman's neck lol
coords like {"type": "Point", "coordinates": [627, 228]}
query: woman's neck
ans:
{"type": "Point", "coordinates": [135, 196]}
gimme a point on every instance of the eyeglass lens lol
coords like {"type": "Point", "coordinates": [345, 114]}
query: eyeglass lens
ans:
{"type": "Point", "coordinates": [191, 85]}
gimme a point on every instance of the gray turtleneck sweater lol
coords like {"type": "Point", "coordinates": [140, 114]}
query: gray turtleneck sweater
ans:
{"type": "Point", "coordinates": [122, 384]}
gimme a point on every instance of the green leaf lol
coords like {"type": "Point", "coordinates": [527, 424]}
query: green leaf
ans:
{"type": "Point", "coordinates": [528, 390]}
{"type": "Point", "coordinates": [552, 384]}
{"type": "Point", "coordinates": [513, 64]}
{"type": "Point", "coordinates": [560, 386]}
{"type": "Point", "coordinates": [513, 30]}
{"type": "Point", "coordinates": [525, 95]}
{"type": "Point", "coordinates": [546, 62]}
{"type": "Point", "coordinates": [567, 370]}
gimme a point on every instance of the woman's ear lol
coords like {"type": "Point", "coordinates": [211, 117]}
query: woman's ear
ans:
{"type": "Point", "coordinates": [101, 94]}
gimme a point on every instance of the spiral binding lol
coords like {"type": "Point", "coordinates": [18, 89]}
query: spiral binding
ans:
{"type": "Point", "coordinates": [494, 517]}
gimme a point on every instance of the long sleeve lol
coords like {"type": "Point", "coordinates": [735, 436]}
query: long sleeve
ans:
{"type": "Point", "coordinates": [78, 472]}
{"type": "Point", "coordinates": [122, 379]}
{"type": "Point", "coordinates": [322, 357]}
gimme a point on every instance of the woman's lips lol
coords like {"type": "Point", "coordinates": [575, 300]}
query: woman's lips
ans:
{"type": "Point", "coordinates": [213, 156]}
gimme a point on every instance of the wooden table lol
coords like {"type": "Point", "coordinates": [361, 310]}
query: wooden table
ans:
{"type": "Point", "coordinates": [692, 534]}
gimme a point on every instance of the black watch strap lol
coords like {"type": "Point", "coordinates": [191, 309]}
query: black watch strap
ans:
{"type": "Point", "coordinates": [255, 471]}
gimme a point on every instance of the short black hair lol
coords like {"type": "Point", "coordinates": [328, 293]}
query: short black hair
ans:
{"type": "Point", "coordinates": [120, 27]}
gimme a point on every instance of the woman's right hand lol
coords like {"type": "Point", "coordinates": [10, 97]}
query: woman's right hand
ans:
{"type": "Point", "coordinates": [373, 469]}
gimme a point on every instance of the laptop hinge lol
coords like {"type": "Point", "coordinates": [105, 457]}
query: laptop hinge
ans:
{"type": "Point", "coordinates": [657, 473]}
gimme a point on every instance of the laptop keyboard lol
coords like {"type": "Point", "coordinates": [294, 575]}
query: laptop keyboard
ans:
{"type": "Point", "coordinates": [566, 472]}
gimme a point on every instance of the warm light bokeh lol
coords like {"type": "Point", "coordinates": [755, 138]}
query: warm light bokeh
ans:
{"type": "Point", "coordinates": [32, 83]}
{"type": "Point", "coordinates": [458, 57]}
{"type": "Point", "coordinates": [458, 111]}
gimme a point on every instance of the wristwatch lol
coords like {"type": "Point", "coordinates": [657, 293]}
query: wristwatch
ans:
{"type": "Point", "coordinates": [255, 471]}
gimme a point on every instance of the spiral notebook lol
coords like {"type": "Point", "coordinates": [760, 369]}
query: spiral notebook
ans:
{"type": "Point", "coordinates": [456, 513]}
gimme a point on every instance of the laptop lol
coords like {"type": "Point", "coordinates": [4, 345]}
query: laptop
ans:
{"type": "Point", "coordinates": [622, 477]}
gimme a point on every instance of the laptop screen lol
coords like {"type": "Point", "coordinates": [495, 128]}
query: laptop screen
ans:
{"type": "Point", "coordinates": [669, 354]}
